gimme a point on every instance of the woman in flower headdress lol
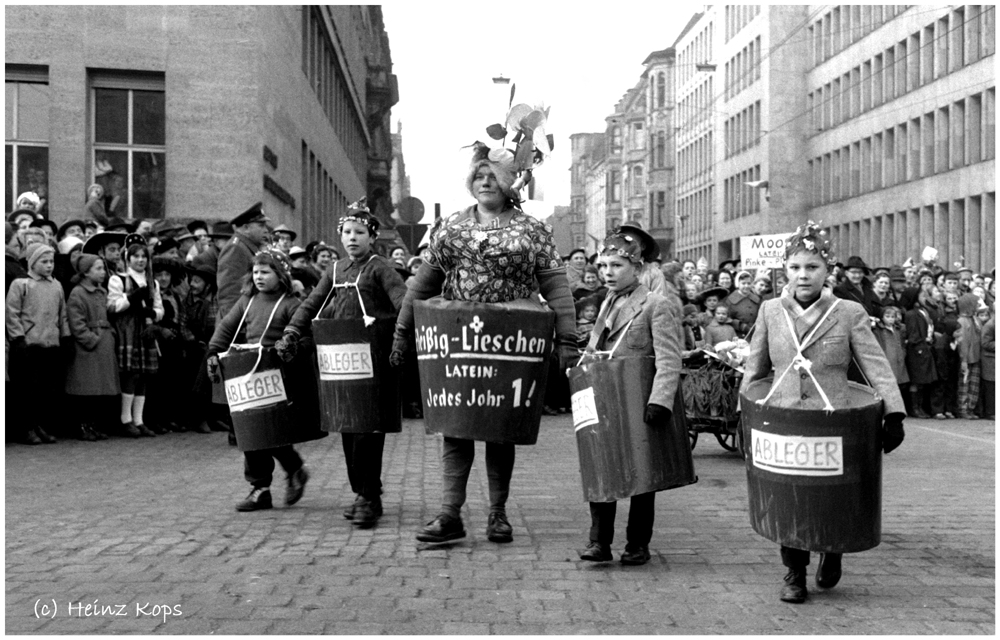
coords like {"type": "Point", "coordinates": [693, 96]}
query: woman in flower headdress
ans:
{"type": "Point", "coordinates": [377, 295]}
{"type": "Point", "coordinates": [491, 252]}
{"type": "Point", "coordinates": [831, 331]}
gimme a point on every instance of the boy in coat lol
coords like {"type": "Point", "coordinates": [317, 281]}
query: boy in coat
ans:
{"type": "Point", "coordinates": [634, 322]}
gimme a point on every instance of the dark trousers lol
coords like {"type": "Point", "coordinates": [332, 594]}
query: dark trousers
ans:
{"type": "Point", "coordinates": [258, 466]}
{"type": "Point", "coordinates": [363, 454]}
{"type": "Point", "coordinates": [100, 412]}
{"type": "Point", "coordinates": [640, 520]}
{"type": "Point", "coordinates": [37, 376]}
{"type": "Point", "coordinates": [456, 459]}
{"type": "Point", "coordinates": [796, 558]}
{"type": "Point", "coordinates": [989, 398]}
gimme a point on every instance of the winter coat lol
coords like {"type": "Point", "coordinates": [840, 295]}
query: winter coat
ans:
{"type": "Point", "coordinates": [36, 311]}
{"type": "Point", "coordinates": [655, 330]}
{"type": "Point", "coordinates": [865, 296]}
{"type": "Point", "coordinates": [12, 269]}
{"type": "Point", "coordinates": [989, 349]}
{"type": "Point", "coordinates": [919, 352]}
{"type": "Point", "coordinates": [743, 310]}
{"type": "Point", "coordinates": [255, 328]}
{"type": "Point", "coordinates": [234, 264]}
{"type": "Point", "coordinates": [716, 333]}
{"type": "Point", "coordinates": [843, 333]}
{"type": "Point", "coordinates": [892, 345]}
{"type": "Point", "coordinates": [93, 365]}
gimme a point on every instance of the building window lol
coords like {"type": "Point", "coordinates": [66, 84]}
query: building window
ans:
{"type": "Point", "coordinates": [637, 182]}
{"type": "Point", "coordinates": [129, 143]}
{"type": "Point", "coordinates": [26, 145]}
{"type": "Point", "coordinates": [661, 150]}
{"type": "Point", "coordinates": [616, 139]}
{"type": "Point", "coordinates": [614, 180]}
{"type": "Point", "coordinates": [661, 91]}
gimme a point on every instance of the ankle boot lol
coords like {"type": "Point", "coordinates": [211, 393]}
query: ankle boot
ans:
{"type": "Point", "coordinates": [918, 411]}
{"type": "Point", "coordinates": [46, 438]}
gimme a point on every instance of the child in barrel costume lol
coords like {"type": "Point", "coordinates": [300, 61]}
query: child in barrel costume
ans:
{"type": "Point", "coordinates": [381, 291]}
{"type": "Point", "coordinates": [269, 284]}
{"type": "Point", "coordinates": [634, 322]}
{"type": "Point", "coordinates": [832, 331]}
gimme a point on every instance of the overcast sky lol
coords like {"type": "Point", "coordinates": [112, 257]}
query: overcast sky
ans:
{"type": "Point", "coordinates": [577, 58]}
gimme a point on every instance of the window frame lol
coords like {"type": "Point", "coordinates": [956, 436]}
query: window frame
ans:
{"type": "Point", "coordinates": [21, 76]}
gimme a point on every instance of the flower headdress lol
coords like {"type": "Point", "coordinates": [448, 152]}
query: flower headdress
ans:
{"type": "Point", "coordinates": [623, 244]}
{"type": "Point", "coordinates": [532, 143]}
{"type": "Point", "coordinates": [810, 237]}
{"type": "Point", "coordinates": [360, 213]}
{"type": "Point", "coordinates": [277, 256]}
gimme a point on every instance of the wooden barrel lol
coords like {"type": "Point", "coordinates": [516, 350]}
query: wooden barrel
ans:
{"type": "Point", "coordinates": [620, 455]}
{"type": "Point", "coordinates": [483, 368]}
{"type": "Point", "coordinates": [815, 478]}
{"type": "Point", "coordinates": [358, 388]}
{"type": "Point", "coordinates": [273, 405]}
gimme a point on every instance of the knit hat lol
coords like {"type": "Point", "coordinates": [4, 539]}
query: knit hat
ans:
{"type": "Point", "coordinates": [69, 243]}
{"type": "Point", "coordinates": [967, 304]}
{"type": "Point", "coordinates": [82, 262]}
{"type": "Point", "coordinates": [689, 309]}
{"type": "Point", "coordinates": [35, 252]}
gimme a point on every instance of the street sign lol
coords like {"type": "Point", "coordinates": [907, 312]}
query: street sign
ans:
{"type": "Point", "coordinates": [411, 210]}
{"type": "Point", "coordinates": [411, 235]}
{"type": "Point", "coordinates": [763, 251]}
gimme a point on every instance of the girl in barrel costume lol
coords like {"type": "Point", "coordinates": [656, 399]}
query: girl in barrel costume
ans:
{"type": "Point", "coordinates": [381, 291]}
{"type": "Point", "coordinates": [263, 311]}
{"type": "Point", "coordinates": [491, 252]}
{"type": "Point", "coordinates": [829, 331]}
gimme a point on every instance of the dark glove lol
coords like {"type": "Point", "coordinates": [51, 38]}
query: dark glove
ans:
{"type": "Point", "coordinates": [400, 345]}
{"type": "Point", "coordinates": [137, 296]}
{"type": "Point", "coordinates": [892, 431]}
{"type": "Point", "coordinates": [569, 355]}
{"type": "Point", "coordinates": [212, 366]}
{"type": "Point", "coordinates": [657, 415]}
{"type": "Point", "coordinates": [287, 346]}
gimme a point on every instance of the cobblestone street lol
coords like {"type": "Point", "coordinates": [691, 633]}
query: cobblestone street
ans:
{"type": "Point", "coordinates": [131, 522]}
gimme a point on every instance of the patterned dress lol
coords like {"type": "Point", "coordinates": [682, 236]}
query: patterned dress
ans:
{"type": "Point", "coordinates": [491, 263]}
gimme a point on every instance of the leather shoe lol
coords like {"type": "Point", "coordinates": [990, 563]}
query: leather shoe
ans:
{"type": "Point", "coordinates": [498, 529]}
{"type": "Point", "coordinates": [442, 529]}
{"type": "Point", "coordinates": [85, 434]}
{"type": "Point", "coordinates": [129, 431]}
{"type": "Point", "coordinates": [257, 500]}
{"type": "Point", "coordinates": [145, 431]}
{"type": "Point", "coordinates": [794, 589]}
{"type": "Point", "coordinates": [46, 438]}
{"type": "Point", "coordinates": [202, 427]}
{"type": "Point", "coordinates": [30, 437]}
{"type": "Point", "coordinates": [635, 554]}
{"type": "Point", "coordinates": [367, 513]}
{"type": "Point", "coordinates": [98, 434]}
{"type": "Point", "coordinates": [296, 485]}
{"type": "Point", "coordinates": [828, 571]}
{"type": "Point", "coordinates": [597, 552]}
{"type": "Point", "coordinates": [353, 507]}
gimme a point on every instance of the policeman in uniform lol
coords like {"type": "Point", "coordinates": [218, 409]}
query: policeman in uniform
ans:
{"type": "Point", "coordinates": [234, 262]}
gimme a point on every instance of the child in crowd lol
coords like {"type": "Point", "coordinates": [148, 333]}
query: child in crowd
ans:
{"type": "Point", "coordinates": [890, 335]}
{"type": "Point", "coordinates": [652, 324]}
{"type": "Point", "coordinates": [969, 346]}
{"type": "Point", "coordinates": [135, 304]}
{"type": "Point", "coordinates": [590, 286]}
{"type": "Point", "coordinates": [719, 330]}
{"type": "Point", "coordinates": [167, 397]}
{"type": "Point", "coordinates": [586, 313]}
{"type": "Point", "coordinates": [987, 358]}
{"type": "Point", "coordinates": [693, 330]}
{"type": "Point", "coordinates": [92, 376]}
{"type": "Point", "coordinates": [262, 312]}
{"type": "Point", "coordinates": [362, 284]}
{"type": "Point", "coordinates": [36, 324]}
{"type": "Point", "coordinates": [201, 306]}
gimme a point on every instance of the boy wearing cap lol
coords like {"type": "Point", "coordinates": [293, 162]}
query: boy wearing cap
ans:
{"type": "Point", "coordinates": [36, 324]}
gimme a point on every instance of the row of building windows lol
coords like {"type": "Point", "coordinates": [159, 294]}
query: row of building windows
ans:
{"type": "Point", "coordinates": [322, 200]}
{"type": "Point", "coordinates": [950, 137]}
{"type": "Point", "coordinates": [695, 212]}
{"type": "Point", "coordinates": [322, 69]}
{"type": "Point", "coordinates": [738, 16]}
{"type": "Point", "coordinates": [127, 132]}
{"type": "Point", "coordinates": [740, 199]}
{"type": "Point", "coordinates": [944, 46]}
{"type": "Point", "coordinates": [743, 130]}
{"type": "Point", "coordinates": [698, 51]}
{"type": "Point", "coordinates": [696, 107]}
{"type": "Point", "coordinates": [696, 160]}
{"type": "Point", "coordinates": [844, 25]}
{"type": "Point", "coordinates": [963, 229]}
{"type": "Point", "coordinates": [743, 69]}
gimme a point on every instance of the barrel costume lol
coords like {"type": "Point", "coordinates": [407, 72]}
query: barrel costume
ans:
{"type": "Point", "coordinates": [810, 346]}
{"type": "Point", "coordinates": [262, 318]}
{"type": "Point", "coordinates": [366, 288]}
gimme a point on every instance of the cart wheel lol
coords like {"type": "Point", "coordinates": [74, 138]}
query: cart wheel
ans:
{"type": "Point", "coordinates": [693, 436]}
{"type": "Point", "coordinates": [728, 441]}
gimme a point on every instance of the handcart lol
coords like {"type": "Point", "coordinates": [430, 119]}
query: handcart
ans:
{"type": "Point", "coordinates": [711, 386]}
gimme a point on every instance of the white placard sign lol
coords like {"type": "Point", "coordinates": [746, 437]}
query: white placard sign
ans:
{"type": "Point", "coordinates": [349, 361]}
{"type": "Point", "coordinates": [261, 389]}
{"type": "Point", "coordinates": [584, 408]}
{"type": "Point", "coordinates": [797, 455]}
{"type": "Point", "coordinates": [763, 252]}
